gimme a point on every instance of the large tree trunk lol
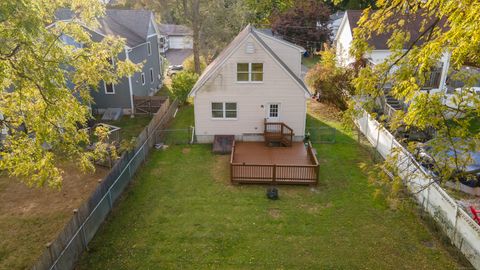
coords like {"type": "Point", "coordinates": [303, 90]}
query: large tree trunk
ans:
{"type": "Point", "coordinates": [196, 34]}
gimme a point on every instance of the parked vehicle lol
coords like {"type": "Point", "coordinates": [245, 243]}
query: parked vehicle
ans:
{"type": "Point", "coordinates": [172, 70]}
{"type": "Point", "coordinates": [470, 173]}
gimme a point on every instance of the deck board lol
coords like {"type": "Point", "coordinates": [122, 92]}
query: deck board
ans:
{"type": "Point", "coordinates": [259, 153]}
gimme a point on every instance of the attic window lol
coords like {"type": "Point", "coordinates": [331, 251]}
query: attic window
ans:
{"type": "Point", "coordinates": [250, 48]}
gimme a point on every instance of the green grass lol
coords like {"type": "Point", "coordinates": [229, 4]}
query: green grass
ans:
{"type": "Point", "coordinates": [182, 213]}
{"type": "Point", "coordinates": [131, 127]}
{"type": "Point", "coordinates": [311, 60]}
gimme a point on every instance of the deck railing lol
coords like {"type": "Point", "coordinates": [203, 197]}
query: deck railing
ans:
{"type": "Point", "coordinates": [278, 132]}
{"type": "Point", "coordinates": [243, 173]}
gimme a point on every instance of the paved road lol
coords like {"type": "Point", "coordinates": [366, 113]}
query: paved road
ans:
{"type": "Point", "coordinates": [177, 56]}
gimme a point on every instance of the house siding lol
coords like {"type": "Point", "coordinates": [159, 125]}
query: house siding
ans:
{"type": "Point", "coordinates": [251, 98]}
{"type": "Point", "coordinates": [291, 56]}
{"type": "Point", "coordinates": [139, 55]}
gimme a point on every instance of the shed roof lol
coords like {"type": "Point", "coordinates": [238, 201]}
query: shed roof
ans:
{"type": "Point", "coordinates": [174, 30]}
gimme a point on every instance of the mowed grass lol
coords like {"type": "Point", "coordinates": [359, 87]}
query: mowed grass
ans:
{"type": "Point", "coordinates": [182, 213]}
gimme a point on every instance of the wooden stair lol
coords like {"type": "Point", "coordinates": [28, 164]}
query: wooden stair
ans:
{"type": "Point", "coordinates": [277, 134]}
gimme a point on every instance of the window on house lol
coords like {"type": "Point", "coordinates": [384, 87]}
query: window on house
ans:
{"type": "Point", "coordinates": [109, 88]}
{"type": "Point", "coordinates": [143, 78]}
{"type": "Point", "coordinates": [224, 110]}
{"type": "Point", "coordinates": [257, 72]}
{"type": "Point", "coordinates": [151, 75]}
{"type": "Point", "coordinates": [242, 72]}
{"type": "Point", "coordinates": [249, 72]}
{"type": "Point", "coordinates": [149, 48]}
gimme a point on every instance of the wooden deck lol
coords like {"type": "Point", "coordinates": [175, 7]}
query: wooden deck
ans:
{"type": "Point", "coordinates": [254, 162]}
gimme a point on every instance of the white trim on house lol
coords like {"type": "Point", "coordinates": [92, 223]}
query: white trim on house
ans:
{"type": "Point", "coordinates": [224, 111]}
{"type": "Point", "coordinates": [209, 72]}
{"type": "Point", "coordinates": [149, 48]}
{"type": "Point", "coordinates": [300, 49]}
{"type": "Point", "coordinates": [130, 88]}
{"type": "Point", "coordinates": [105, 88]}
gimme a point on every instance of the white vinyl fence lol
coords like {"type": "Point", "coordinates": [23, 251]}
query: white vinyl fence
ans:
{"type": "Point", "coordinates": [457, 224]}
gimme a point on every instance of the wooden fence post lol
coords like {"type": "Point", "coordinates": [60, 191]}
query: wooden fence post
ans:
{"type": "Point", "coordinates": [274, 176]}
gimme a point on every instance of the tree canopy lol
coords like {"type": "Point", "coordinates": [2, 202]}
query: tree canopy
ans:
{"type": "Point", "coordinates": [45, 86]}
{"type": "Point", "coordinates": [298, 24]}
{"type": "Point", "coordinates": [448, 32]}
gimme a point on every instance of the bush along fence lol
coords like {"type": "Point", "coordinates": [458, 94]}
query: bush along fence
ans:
{"type": "Point", "coordinates": [463, 232]}
{"type": "Point", "coordinates": [65, 250]}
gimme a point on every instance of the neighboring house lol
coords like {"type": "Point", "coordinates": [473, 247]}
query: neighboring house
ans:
{"type": "Point", "coordinates": [254, 79]}
{"type": "Point", "coordinates": [334, 23]}
{"type": "Point", "coordinates": [140, 32]}
{"type": "Point", "coordinates": [344, 38]}
{"type": "Point", "coordinates": [176, 36]}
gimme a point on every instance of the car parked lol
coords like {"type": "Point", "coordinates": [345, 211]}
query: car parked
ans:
{"type": "Point", "coordinates": [470, 172]}
{"type": "Point", "coordinates": [174, 69]}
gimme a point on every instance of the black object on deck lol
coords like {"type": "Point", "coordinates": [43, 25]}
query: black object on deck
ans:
{"type": "Point", "coordinates": [222, 144]}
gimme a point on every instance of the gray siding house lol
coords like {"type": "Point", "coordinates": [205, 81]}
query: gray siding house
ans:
{"type": "Point", "coordinates": [140, 31]}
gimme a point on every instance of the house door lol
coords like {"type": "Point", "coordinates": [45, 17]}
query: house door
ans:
{"type": "Point", "coordinates": [273, 112]}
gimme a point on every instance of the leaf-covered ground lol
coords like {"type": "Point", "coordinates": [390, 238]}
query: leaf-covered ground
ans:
{"type": "Point", "coordinates": [182, 213]}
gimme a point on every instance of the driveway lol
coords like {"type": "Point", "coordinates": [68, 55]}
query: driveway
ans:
{"type": "Point", "coordinates": [177, 56]}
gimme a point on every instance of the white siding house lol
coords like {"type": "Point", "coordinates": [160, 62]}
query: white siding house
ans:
{"type": "Point", "coordinates": [256, 78]}
{"type": "Point", "coordinates": [380, 51]}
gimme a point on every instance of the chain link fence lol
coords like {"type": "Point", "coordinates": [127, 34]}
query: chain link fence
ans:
{"type": "Point", "coordinates": [65, 250]}
{"type": "Point", "coordinates": [321, 134]}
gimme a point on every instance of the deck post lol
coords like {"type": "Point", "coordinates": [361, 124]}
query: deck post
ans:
{"type": "Point", "coordinates": [274, 176]}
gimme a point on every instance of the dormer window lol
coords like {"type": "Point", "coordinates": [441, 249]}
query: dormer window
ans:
{"type": "Point", "coordinates": [249, 72]}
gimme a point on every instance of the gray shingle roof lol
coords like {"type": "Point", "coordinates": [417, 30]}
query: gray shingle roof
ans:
{"type": "Point", "coordinates": [130, 24]}
{"type": "Point", "coordinates": [413, 25]}
{"type": "Point", "coordinates": [174, 30]}
{"type": "Point", "coordinates": [210, 70]}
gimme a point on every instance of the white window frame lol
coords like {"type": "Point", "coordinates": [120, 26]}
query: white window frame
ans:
{"type": "Point", "coordinates": [250, 72]}
{"type": "Point", "coordinates": [224, 110]}
{"type": "Point", "coordinates": [152, 79]}
{"type": "Point", "coordinates": [149, 48]}
{"type": "Point", "coordinates": [105, 88]}
{"type": "Point", "coordinates": [142, 78]}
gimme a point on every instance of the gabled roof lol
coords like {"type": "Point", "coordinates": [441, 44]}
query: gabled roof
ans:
{"type": "Point", "coordinates": [132, 25]}
{"type": "Point", "coordinates": [413, 25]}
{"type": "Point", "coordinates": [174, 30]}
{"type": "Point", "coordinates": [231, 48]}
{"type": "Point", "coordinates": [268, 33]}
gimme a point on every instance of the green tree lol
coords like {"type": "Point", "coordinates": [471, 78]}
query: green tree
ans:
{"type": "Point", "coordinates": [448, 29]}
{"type": "Point", "coordinates": [189, 65]}
{"type": "Point", "coordinates": [182, 84]}
{"type": "Point", "coordinates": [41, 112]}
{"type": "Point", "coordinates": [261, 11]}
{"type": "Point", "coordinates": [332, 84]}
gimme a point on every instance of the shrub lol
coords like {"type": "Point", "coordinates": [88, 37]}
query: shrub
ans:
{"type": "Point", "coordinates": [189, 65]}
{"type": "Point", "coordinates": [332, 84]}
{"type": "Point", "coordinates": [182, 84]}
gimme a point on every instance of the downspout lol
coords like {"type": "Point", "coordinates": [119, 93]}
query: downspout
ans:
{"type": "Point", "coordinates": [443, 78]}
{"type": "Point", "coordinates": [132, 115]}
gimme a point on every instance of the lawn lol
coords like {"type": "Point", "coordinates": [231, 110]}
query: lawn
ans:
{"type": "Point", "coordinates": [310, 61]}
{"type": "Point", "coordinates": [182, 213]}
{"type": "Point", "coordinates": [32, 217]}
{"type": "Point", "coordinates": [131, 127]}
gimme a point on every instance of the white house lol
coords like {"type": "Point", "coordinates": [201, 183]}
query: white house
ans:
{"type": "Point", "coordinates": [344, 38]}
{"type": "Point", "coordinates": [255, 79]}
